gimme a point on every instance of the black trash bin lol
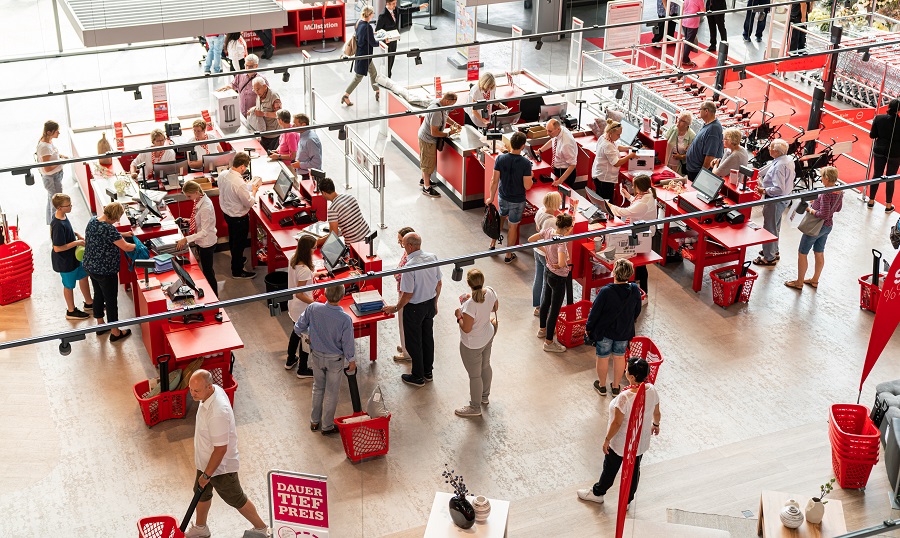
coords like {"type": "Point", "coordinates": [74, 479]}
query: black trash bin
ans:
{"type": "Point", "coordinates": [276, 281]}
{"type": "Point", "coordinates": [406, 10]}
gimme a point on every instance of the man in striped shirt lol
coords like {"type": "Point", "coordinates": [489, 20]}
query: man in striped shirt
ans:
{"type": "Point", "coordinates": [344, 216]}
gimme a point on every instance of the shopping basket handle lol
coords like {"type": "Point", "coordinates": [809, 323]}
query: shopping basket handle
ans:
{"type": "Point", "coordinates": [190, 511]}
{"type": "Point", "coordinates": [354, 391]}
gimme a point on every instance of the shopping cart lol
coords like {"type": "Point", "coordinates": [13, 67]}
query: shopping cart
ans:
{"type": "Point", "coordinates": [167, 526]}
{"type": "Point", "coordinates": [362, 437]}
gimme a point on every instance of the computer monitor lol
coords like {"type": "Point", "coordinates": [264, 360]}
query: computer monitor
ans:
{"type": "Point", "coordinates": [506, 119]}
{"type": "Point", "coordinates": [557, 111]}
{"type": "Point", "coordinates": [184, 276]}
{"type": "Point", "coordinates": [149, 204]}
{"type": "Point", "coordinates": [283, 186]}
{"type": "Point", "coordinates": [213, 161]}
{"type": "Point", "coordinates": [165, 169]}
{"type": "Point", "coordinates": [333, 251]}
{"type": "Point", "coordinates": [629, 133]}
{"type": "Point", "coordinates": [707, 185]}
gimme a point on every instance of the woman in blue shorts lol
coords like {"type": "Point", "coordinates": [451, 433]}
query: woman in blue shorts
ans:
{"type": "Point", "coordinates": [825, 206]}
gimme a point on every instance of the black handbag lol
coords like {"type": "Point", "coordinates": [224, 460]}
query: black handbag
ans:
{"type": "Point", "coordinates": [440, 142]}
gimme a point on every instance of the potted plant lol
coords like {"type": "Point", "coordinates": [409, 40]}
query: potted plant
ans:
{"type": "Point", "coordinates": [461, 510]}
{"type": "Point", "coordinates": [815, 508]}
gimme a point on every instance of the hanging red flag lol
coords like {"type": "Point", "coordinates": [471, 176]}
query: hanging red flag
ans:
{"type": "Point", "coordinates": [887, 317]}
{"type": "Point", "coordinates": [632, 440]}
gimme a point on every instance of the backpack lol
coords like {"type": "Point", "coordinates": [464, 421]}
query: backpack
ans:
{"type": "Point", "coordinates": [350, 46]}
{"type": "Point", "coordinates": [490, 224]}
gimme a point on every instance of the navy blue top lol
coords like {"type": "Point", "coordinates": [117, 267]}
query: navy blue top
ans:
{"type": "Point", "coordinates": [365, 44]}
{"type": "Point", "coordinates": [707, 142]}
{"type": "Point", "coordinates": [101, 255]}
{"type": "Point", "coordinates": [512, 169]}
{"type": "Point", "coordinates": [61, 234]}
{"type": "Point", "coordinates": [614, 311]}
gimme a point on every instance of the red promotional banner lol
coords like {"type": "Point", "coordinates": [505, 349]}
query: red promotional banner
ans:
{"type": "Point", "coordinates": [632, 439]}
{"type": "Point", "coordinates": [886, 319]}
{"type": "Point", "coordinates": [298, 504]}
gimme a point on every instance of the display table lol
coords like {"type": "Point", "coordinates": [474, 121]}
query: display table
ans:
{"type": "Point", "coordinates": [772, 502]}
{"type": "Point", "coordinates": [440, 525]}
{"type": "Point", "coordinates": [733, 239]}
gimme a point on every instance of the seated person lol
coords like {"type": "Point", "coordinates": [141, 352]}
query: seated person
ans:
{"type": "Point", "coordinates": [287, 142]}
{"type": "Point", "coordinates": [200, 135]}
{"type": "Point", "coordinates": [159, 155]}
{"type": "Point", "coordinates": [735, 156]}
{"type": "Point", "coordinates": [344, 216]}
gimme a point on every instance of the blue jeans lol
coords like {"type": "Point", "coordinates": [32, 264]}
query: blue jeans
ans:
{"type": "Point", "coordinates": [814, 242]}
{"type": "Point", "coordinates": [214, 55]}
{"type": "Point", "coordinates": [772, 214]}
{"type": "Point", "coordinates": [537, 287]}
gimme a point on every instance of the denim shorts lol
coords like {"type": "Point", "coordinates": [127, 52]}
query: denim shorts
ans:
{"type": "Point", "coordinates": [816, 243]}
{"type": "Point", "coordinates": [70, 279]}
{"type": "Point", "coordinates": [512, 210]}
{"type": "Point", "coordinates": [608, 345]}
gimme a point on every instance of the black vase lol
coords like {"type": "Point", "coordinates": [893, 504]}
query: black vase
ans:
{"type": "Point", "coordinates": [461, 512]}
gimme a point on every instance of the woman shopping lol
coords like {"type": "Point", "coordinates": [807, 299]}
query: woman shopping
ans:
{"type": "Point", "coordinates": [620, 409]}
{"type": "Point", "coordinates": [735, 155]}
{"type": "Point", "coordinates": [544, 218]}
{"type": "Point", "coordinates": [824, 207]}
{"type": "Point", "coordinates": [557, 271]}
{"type": "Point", "coordinates": [102, 246]}
{"type": "Point", "coordinates": [607, 161]}
{"type": "Point", "coordinates": [402, 355]}
{"type": "Point", "coordinates": [679, 138]}
{"type": "Point", "coordinates": [300, 273]}
{"type": "Point", "coordinates": [643, 207]}
{"type": "Point", "coordinates": [610, 324]}
{"type": "Point", "coordinates": [476, 335]}
{"type": "Point", "coordinates": [365, 44]}
{"type": "Point", "coordinates": [52, 175]}
{"type": "Point", "coordinates": [885, 152]}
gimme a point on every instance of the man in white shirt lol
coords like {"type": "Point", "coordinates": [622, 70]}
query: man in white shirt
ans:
{"type": "Point", "coordinates": [236, 198]}
{"type": "Point", "coordinates": [565, 153]}
{"type": "Point", "coordinates": [778, 180]}
{"type": "Point", "coordinates": [201, 149]}
{"type": "Point", "coordinates": [216, 457]}
{"type": "Point", "coordinates": [202, 231]}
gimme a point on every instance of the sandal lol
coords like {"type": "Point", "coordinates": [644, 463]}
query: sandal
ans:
{"type": "Point", "coordinates": [811, 282]}
{"type": "Point", "coordinates": [121, 336]}
{"type": "Point", "coordinates": [378, 96]}
{"type": "Point", "coordinates": [764, 262]}
{"type": "Point", "coordinates": [345, 100]}
{"type": "Point", "coordinates": [512, 257]}
{"type": "Point", "coordinates": [796, 284]}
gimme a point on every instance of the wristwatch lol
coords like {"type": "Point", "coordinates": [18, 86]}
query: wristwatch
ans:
{"type": "Point", "coordinates": [205, 476]}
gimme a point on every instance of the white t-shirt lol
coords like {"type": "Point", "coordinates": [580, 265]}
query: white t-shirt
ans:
{"type": "Point", "coordinates": [643, 208]}
{"type": "Point", "coordinates": [201, 150]}
{"type": "Point", "coordinates": [475, 95]}
{"type": "Point", "coordinates": [605, 160]}
{"type": "Point", "coordinates": [168, 155]}
{"type": "Point", "coordinates": [237, 50]}
{"type": "Point", "coordinates": [44, 149]}
{"type": "Point", "coordinates": [300, 273]}
{"type": "Point", "coordinates": [215, 427]}
{"type": "Point", "coordinates": [482, 330]}
{"type": "Point", "coordinates": [623, 403]}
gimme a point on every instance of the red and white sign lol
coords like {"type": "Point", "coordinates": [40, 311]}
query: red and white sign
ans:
{"type": "Point", "coordinates": [298, 505]}
{"type": "Point", "coordinates": [438, 91]}
{"type": "Point", "coordinates": [120, 135]}
{"type": "Point", "coordinates": [160, 103]}
{"type": "Point", "coordinates": [632, 440]}
{"type": "Point", "coordinates": [887, 317]}
{"type": "Point", "coordinates": [472, 65]}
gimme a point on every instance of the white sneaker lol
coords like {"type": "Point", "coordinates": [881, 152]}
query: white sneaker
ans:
{"type": "Point", "coordinates": [554, 347]}
{"type": "Point", "coordinates": [468, 411]}
{"type": "Point", "coordinates": [542, 333]}
{"type": "Point", "coordinates": [588, 495]}
{"type": "Point", "coordinates": [256, 533]}
{"type": "Point", "coordinates": [197, 532]}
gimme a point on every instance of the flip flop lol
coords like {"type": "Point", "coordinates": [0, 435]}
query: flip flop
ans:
{"type": "Point", "coordinates": [797, 285]}
{"type": "Point", "coordinates": [811, 282]}
{"type": "Point", "coordinates": [764, 262]}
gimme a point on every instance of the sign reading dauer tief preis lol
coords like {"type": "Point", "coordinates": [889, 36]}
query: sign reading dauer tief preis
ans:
{"type": "Point", "coordinates": [298, 505]}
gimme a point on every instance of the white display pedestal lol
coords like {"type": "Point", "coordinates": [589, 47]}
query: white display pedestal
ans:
{"type": "Point", "coordinates": [440, 525]}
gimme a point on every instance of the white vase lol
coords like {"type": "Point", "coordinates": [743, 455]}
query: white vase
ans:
{"type": "Point", "coordinates": [482, 508]}
{"type": "Point", "coordinates": [815, 511]}
{"type": "Point", "coordinates": [791, 516]}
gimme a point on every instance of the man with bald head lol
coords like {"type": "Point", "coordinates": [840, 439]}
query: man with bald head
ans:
{"type": "Point", "coordinates": [267, 106]}
{"type": "Point", "coordinates": [216, 457]}
{"type": "Point", "coordinates": [565, 153]}
{"type": "Point", "coordinates": [419, 292]}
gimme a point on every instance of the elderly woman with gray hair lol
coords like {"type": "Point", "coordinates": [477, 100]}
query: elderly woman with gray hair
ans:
{"type": "Point", "coordinates": [778, 180]}
{"type": "Point", "coordinates": [735, 155]}
{"type": "Point", "coordinates": [679, 138]}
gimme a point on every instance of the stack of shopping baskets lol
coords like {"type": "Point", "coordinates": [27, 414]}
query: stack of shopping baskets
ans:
{"type": "Point", "coordinates": [854, 444]}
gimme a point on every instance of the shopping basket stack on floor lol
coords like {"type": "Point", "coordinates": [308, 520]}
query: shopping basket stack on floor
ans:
{"type": "Point", "coordinates": [16, 268]}
{"type": "Point", "coordinates": [854, 444]}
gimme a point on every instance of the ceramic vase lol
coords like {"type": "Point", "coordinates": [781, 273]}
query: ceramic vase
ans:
{"type": "Point", "coordinates": [815, 511]}
{"type": "Point", "coordinates": [462, 513]}
{"type": "Point", "coordinates": [791, 516]}
{"type": "Point", "coordinates": [482, 508]}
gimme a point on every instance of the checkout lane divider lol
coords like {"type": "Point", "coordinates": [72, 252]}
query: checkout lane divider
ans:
{"type": "Point", "coordinates": [635, 227]}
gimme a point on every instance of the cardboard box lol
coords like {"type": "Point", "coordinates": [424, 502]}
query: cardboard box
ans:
{"type": "Point", "coordinates": [226, 103]}
{"type": "Point", "coordinates": [644, 162]}
{"type": "Point", "coordinates": [537, 132]}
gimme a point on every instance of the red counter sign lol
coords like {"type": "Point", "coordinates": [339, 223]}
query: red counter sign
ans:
{"type": "Point", "coordinates": [298, 505]}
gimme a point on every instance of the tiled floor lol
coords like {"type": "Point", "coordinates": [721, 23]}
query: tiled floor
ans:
{"type": "Point", "coordinates": [77, 459]}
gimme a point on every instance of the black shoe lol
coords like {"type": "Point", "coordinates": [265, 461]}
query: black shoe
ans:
{"type": "Point", "coordinates": [333, 430]}
{"type": "Point", "coordinates": [121, 336]}
{"type": "Point", "coordinates": [410, 380]}
{"type": "Point", "coordinates": [268, 52]}
{"type": "Point", "coordinates": [304, 373]}
{"type": "Point", "coordinates": [431, 192]}
{"type": "Point", "coordinates": [615, 390]}
{"type": "Point", "coordinates": [429, 378]}
{"type": "Point", "coordinates": [244, 275]}
{"type": "Point", "coordinates": [601, 389]}
{"type": "Point", "coordinates": [101, 333]}
{"type": "Point", "coordinates": [76, 314]}
{"type": "Point", "coordinates": [758, 39]}
{"type": "Point", "coordinates": [712, 48]}
{"type": "Point", "coordinates": [89, 307]}
{"type": "Point", "coordinates": [747, 39]}
{"type": "Point", "coordinates": [290, 363]}
{"type": "Point", "coordinates": [421, 182]}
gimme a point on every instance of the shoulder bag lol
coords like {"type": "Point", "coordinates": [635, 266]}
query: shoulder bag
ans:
{"type": "Point", "coordinates": [811, 225]}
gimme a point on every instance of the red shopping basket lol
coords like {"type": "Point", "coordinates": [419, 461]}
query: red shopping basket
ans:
{"type": "Point", "coordinates": [852, 421]}
{"type": "Point", "coordinates": [366, 438]}
{"type": "Point", "coordinates": [15, 286]}
{"type": "Point", "coordinates": [869, 294]}
{"type": "Point", "coordinates": [159, 527]}
{"type": "Point", "coordinates": [173, 404]}
{"type": "Point", "coordinates": [727, 293]}
{"type": "Point", "coordinates": [571, 323]}
{"type": "Point", "coordinates": [643, 347]}
{"type": "Point", "coordinates": [15, 255]}
{"type": "Point", "coordinates": [851, 474]}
